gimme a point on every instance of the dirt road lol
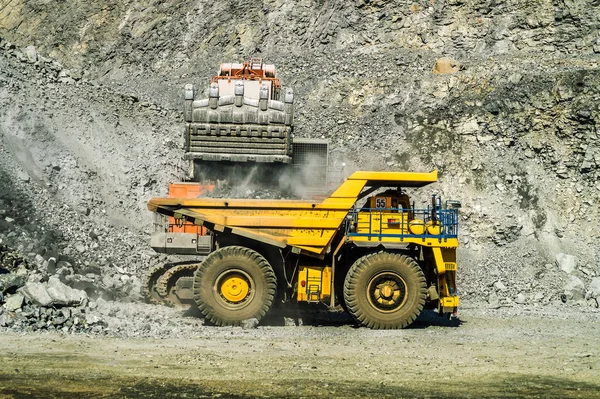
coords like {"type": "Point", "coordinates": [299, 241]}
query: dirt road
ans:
{"type": "Point", "coordinates": [497, 354]}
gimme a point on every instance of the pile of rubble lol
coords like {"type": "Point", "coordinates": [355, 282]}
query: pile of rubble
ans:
{"type": "Point", "coordinates": [575, 289]}
{"type": "Point", "coordinates": [46, 294]}
{"type": "Point", "coordinates": [565, 282]}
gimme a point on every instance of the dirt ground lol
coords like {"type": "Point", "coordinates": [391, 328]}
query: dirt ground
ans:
{"type": "Point", "coordinates": [488, 353]}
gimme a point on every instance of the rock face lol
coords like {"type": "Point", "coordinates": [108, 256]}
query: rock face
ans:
{"type": "Point", "coordinates": [500, 98]}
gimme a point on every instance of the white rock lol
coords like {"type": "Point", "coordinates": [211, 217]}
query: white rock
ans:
{"type": "Point", "coordinates": [31, 53]}
{"type": "Point", "coordinates": [23, 176]}
{"type": "Point", "coordinates": [14, 302]}
{"type": "Point", "coordinates": [93, 319]}
{"type": "Point", "coordinates": [52, 293]}
{"type": "Point", "coordinates": [538, 296]}
{"type": "Point", "coordinates": [289, 322]}
{"type": "Point", "coordinates": [574, 288]}
{"type": "Point", "coordinates": [594, 287]}
{"type": "Point", "coordinates": [521, 299]}
{"type": "Point", "coordinates": [499, 286]}
{"type": "Point", "coordinates": [39, 260]}
{"type": "Point", "coordinates": [36, 293]}
{"type": "Point", "coordinates": [566, 263]}
{"type": "Point", "coordinates": [62, 294]}
{"type": "Point", "coordinates": [249, 323]}
{"type": "Point", "coordinates": [493, 300]}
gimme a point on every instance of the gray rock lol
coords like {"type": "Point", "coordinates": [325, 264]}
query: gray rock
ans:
{"type": "Point", "coordinates": [538, 296]}
{"type": "Point", "coordinates": [64, 295]}
{"type": "Point", "coordinates": [574, 288]}
{"type": "Point", "coordinates": [92, 319]}
{"type": "Point", "coordinates": [51, 267]}
{"type": "Point", "coordinates": [14, 302]}
{"type": "Point", "coordinates": [63, 273]}
{"type": "Point", "coordinates": [515, 78]}
{"type": "Point", "coordinates": [499, 286]}
{"type": "Point", "coordinates": [134, 291]}
{"type": "Point", "coordinates": [494, 300]}
{"type": "Point", "coordinates": [36, 293]}
{"type": "Point", "coordinates": [250, 323]}
{"type": "Point", "coordinates": [521, 299]}
{"type": "Point", "coordinates": [31, 53]}
{"type": "Point", "coordinates": [23, 176]}
{"type": "Point", "coordinates": [59, 320]}
{"type": "Point", "coordinates": [566, 263]}
{"type": "Point", "coordinates": [39, 260]}
{"type": "Point", "coordinates": [6, 320]}
{"type": "Point", "coordinates": [83, 283]}
{"type": "Point", "coordinates": [11, 280]}
{"type": "Point", "coordinates": [52, 293]}
{"type": "Point", "coordinates": [108, 282]}
{"type": "Point", "coordinates": [594, 287]}
{"type": "Point", "coordinates": [289, 322]}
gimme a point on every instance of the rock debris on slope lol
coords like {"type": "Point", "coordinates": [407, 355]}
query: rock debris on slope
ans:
{"type": "Point", "coordinates": [501, 98]}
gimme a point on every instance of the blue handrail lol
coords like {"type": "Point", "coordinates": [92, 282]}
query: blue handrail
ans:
{"type": "Point", "coordinates": [395, 223]}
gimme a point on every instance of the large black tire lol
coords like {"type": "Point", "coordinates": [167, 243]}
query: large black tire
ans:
{"type": "Point", "coordinates": [234, 284]}
{"type": "Point", "coordinates": [385, 290]}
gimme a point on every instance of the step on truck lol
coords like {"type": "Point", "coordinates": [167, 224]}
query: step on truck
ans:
{"type": "Point", "coordinates": [365, 247]}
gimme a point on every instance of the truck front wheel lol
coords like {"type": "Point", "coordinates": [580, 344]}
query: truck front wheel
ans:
{"type": "Point", "coordinates": [234, 284]}
{"type": "Point", "coordinates": [385, 290]}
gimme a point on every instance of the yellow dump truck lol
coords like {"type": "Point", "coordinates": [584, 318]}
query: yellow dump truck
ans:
{"type": "Point", "coordinates": [365, 247]}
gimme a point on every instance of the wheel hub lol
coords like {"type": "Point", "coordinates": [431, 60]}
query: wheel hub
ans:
{"type": "Point", "coordinates": [235, 289]}
{"type": "Point", "coordinates": [387, 292]}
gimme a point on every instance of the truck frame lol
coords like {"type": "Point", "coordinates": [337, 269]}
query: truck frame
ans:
{"type": "Point", "coordinates": [365, 247]}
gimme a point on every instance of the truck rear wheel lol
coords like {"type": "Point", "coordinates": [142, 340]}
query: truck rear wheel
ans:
{"type": "Point", "coordinates": [385, 290]}
{"type": "Point", "coordinates": [234, 284]}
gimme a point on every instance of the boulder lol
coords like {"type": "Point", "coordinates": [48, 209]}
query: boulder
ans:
{"type": "Point", "coordinates": [594, 287]}
{"type": "Point", "coordinates": [574, 288]}
{"type": "Point", "coordinates": [521, 299]}
{"type": "Point", "coordinates": [14, 302]}
{"type": "Point", "coordinates": [494, 300]}
{"type": "Point", "coordinates": [11, 280]}
{"type": "Point", "coordinates": [23, 176]}
{"type": "Point", "coordinates": [62, 294]}
{"type": "Point", "coordinates": [6, 320]}
{"type": "Point", "coordinates": [36, 293]}
{"type": "Point", "coordinates": [566, 263]}
{"type": "Point", "coordinates": [53, 293]}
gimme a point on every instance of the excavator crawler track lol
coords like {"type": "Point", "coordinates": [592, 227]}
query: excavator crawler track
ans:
{"type": "Point", "coordinates": [172, 289]}
{"type": "Point", "coordinates": [151, 283]}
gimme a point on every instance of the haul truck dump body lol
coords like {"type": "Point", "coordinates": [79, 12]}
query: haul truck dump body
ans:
{"type": "Point", "coordinates": [386, 257]}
